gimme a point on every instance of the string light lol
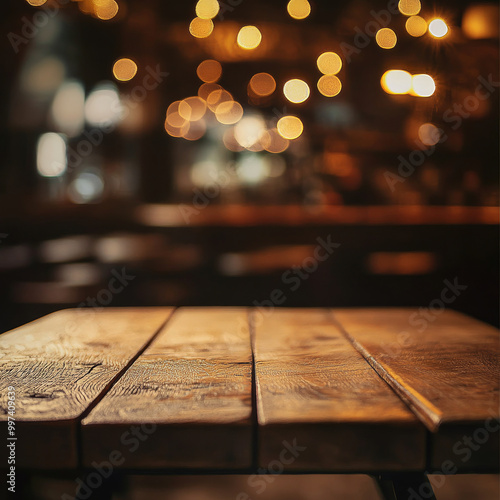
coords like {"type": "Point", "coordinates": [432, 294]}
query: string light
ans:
{"type": "Point", "coordinates": [249, 37]}
{"type": "Point", "coordinates": [438, 28]}
{"type": "Point", "coordinates": [329, 63]}
{"type": "Point", "coordinates": [296, 90]}
{"type": "Point", "coordinates": [329, 85]}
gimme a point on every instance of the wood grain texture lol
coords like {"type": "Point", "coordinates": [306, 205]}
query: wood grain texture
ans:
{"type": "Point", "coordinates": [447, 369]}
{"type": "Point", "coordinates": [315, 389]}
{"type": "Point", "coordinates": [59, 365]}
{"type": "Point", "coordinates": [192, 388]}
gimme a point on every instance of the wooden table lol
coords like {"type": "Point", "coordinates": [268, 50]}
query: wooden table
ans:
{"type": "Point", "coordinates": [243, 390]}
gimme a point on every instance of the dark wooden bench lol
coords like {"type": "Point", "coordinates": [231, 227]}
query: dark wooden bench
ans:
{"type": "Point", "coordinates": [236, 390]}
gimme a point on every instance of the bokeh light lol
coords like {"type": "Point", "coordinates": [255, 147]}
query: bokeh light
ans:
{"type": "Point", "coordinates": [207, 9]}
{"type": "Point", "coordinates": [262, 84]}
{"type": "Point", "coordinates": [296, 90]}
{"type": "Point", "coordinates": [192, 108]}
{"type": "Point", "coordinates": [249, 37]}
{"type": "Point", "coordinates": [249, 131]}
{"type": "Point", "coordinates": [329, 85]}
{"type": "Point", "coordinates": [275, 142]}
{"type": "Point", "coordinates": [36, 3]}
{"type": "Point", "coordinates": [481, 21]}
{"type": "Point", "coordinates": [207, 88]}
{"type": "Point", "coordinates": [51, 160]}
{"type": "Point", "coordinates": [329, 63]}
{"type": "Point", "coordinates": [229, 112]}
{"type": "Point", "coordinates": [209, 71]}
{"type": "Point", "coordinates": [87, 187]}
{"type": "Point", "coordinates": [386, 38]}
{"type": "Point", "coordinates": [422, 85]}
{"type": "Point", "coordinates": [298, 9]}
{"type": "Point", "coordinates": [103, 107]}
{"type": "Point", "coordinates": [409, 7]}
{"type": "Point", "coordinates": [438, 28]}
{"type": "Point", "coordinates": [416, 26]}
{"type": "Point", "coordinates": [201, 28]}
{"type": "Point", "coordinates": [429, 134]}
{"type": "Point", "coordinates": [124, 69]}
{"type": "Point", "coordinates": [217, 97]}
{"type": "Point", "coordinates": [396, 81]}
{"type": "Point", "coordinates": [290, 127]}
{"type": "Point", "coordinates": [68, 108]}
{"type": "Point", "coordinates": [105, 9]}
{"type": "Point", "coordinates": [195, 131]}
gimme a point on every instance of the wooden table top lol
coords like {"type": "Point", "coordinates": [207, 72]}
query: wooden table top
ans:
{"type": "Point", "coordinates": [243, 389]}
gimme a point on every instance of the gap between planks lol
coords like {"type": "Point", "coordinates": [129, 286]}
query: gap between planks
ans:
{"type": "Point", "coordinates": [392, 380]}
{"type": "Point", "coordinates": [112, 382]}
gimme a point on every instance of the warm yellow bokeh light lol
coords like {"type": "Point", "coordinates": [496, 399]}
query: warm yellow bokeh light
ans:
{"type": "Point", "coordinates": [296, 90]}
{"type": "Point", "coordinates": [396, 81]}
{"type": "Point", "coordinates": [207, 9]}
{"type": "Point", "coordinates": [249, 37]}
{"type": "Point", "coordinates": [409, 7]}
{"type": "Point", "coordinates": [386, 38]}
{"type": "Point", "coordinates": [201, 28]}
{"type": "Point", "coordinates": [106, 9]}
{"type": "Point", "coordinates": [329, 63]}
{"type": "Point", "coordinates": [481, 21]}
{"type": "Point", "coordinates": [290, 127]}
{"type": "Point", "coordinates": [174, 130]}
{"type": "Point", "coordinates": [196, 130]}
{"type": "Point", "coordinates": [229, 112]}
{"type": "Point", "coordinates": [262, 84]}
{"type": "Point", "coordinates": [422, 85]}
{"type": "Point", "coordinates": [206, 89]}
{"type": "Point", "coordinates": [298, 9]}
{"type": "Point", "coordinates": [329, 85]}
{"type": "Point", "coordinates": [249, 131]}
{"type": "Point", "coordinates": [192, 108]}
{"type": "Point", "coordinates": [275, 143]}
{"type": "Point", "coordinates": [429, 134]}
{"type": "Point", "coordinates": [438, 28]}
{"type": "Point", "coordinates": [124, 69]}
{"type": "Point", "coordinates": [209, 71]}
{"type": "Point", "coordinates": [416, 26]}
{"type": "Point", "coordinates": [36, 3]}
{"type": "Point", "coordinates": [217, 97]}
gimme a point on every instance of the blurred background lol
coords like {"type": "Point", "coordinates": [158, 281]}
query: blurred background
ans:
{"type": "Point", "coordinates": [199, 149]}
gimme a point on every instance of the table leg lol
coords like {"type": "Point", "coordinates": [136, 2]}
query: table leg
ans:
{"type": "Point", "coordinates": [405, 487]}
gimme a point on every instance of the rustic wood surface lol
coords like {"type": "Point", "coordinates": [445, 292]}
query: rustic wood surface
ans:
{"type": "Point", "coordinates": [447, 369]}
{"type": "Point", "coordinates": [192, 387]}
{"type": "Point", "coordinates": [315, 389]}
{"type": "Point", "coordinates": [180, 397]}
{"type": "Point", "coordinates": [59, 365]}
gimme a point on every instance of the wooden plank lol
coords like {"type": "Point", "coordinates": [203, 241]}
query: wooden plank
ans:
{"type": "Point", "coordinates": [315, 390]}
{"type": "Point", "coordinates": [191, 390]}
{"type": "Point", "coordinates": [59, 365]}
{"type": "Point", "coordinates": [446, 368]}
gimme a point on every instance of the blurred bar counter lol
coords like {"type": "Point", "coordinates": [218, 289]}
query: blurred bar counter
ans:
{"type": "Point", "coordinates": [57, 256]}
